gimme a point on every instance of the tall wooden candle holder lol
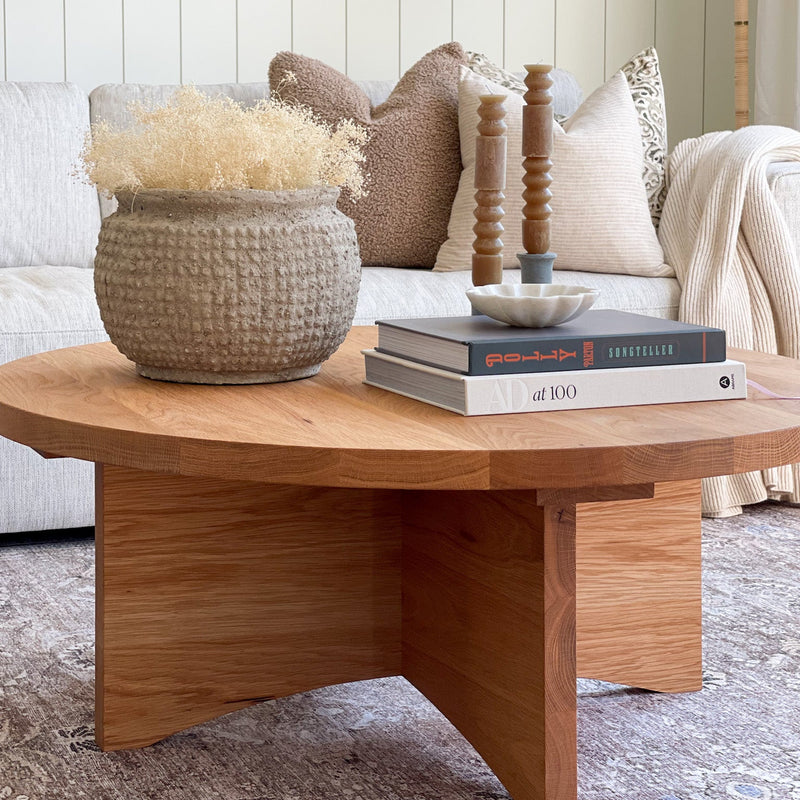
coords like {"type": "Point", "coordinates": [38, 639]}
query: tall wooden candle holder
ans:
{"type": "Point", "coordinates": [537, 147]}
{"type": "Point", "coordinates": [490, 180]}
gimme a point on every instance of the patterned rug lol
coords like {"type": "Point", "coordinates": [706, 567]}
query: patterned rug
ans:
{"type": "Point", "coordinates": [381, 740]}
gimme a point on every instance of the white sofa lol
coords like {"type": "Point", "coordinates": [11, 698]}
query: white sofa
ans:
{"type": "Point", "coordinates": [48, 231]}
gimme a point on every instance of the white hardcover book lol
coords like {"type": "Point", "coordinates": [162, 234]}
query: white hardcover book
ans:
{"type": "Point", "coordinates": [474, 395]}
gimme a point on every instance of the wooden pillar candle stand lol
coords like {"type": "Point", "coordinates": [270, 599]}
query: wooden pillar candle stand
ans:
{"type": "Point", "coordinates": [490, 180]}
{"type": "Point", "coordinates": [537, 147]}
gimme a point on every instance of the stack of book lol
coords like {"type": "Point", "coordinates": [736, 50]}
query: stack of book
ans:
{"type": "Point", "coordinates": [475, 365]}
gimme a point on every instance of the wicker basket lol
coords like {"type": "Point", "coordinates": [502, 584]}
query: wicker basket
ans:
{"type": "Point", "coordinates": [227, 287]}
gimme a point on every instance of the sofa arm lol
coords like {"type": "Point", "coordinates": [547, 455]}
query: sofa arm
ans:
{"type": "Point", "coordinates": [784, 180]}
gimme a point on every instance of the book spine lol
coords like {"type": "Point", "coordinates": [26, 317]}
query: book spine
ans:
{"type": "Point", "coordinates": [625, 387]}
{"type": "Point", "coordinates": [636, 350]}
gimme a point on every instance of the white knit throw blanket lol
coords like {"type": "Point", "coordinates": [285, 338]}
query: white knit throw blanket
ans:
{"type": "Point", "coordinates": [735, 259]}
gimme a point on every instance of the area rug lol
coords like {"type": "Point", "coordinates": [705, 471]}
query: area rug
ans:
{"type": "Point", "coordinates": [381, 740]}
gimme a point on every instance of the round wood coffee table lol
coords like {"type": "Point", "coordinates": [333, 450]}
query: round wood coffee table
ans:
{"type": "Point", "coordinates": [257, 541]}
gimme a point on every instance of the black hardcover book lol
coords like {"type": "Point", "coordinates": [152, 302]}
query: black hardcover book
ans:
{"type": "Point", "coordinates": [603, 339]}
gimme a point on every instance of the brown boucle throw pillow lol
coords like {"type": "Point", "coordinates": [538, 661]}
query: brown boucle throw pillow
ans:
{"type": "Point", "coordinates": [413, 158]}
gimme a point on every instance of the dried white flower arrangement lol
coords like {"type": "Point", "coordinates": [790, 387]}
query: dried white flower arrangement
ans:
{"type": "Point", "coordinates": [212, 143]}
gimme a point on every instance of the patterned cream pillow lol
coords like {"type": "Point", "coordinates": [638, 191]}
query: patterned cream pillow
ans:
{"type": "Point", "coordinates": [644, 81]}
{"type": "Point", "coordinates": [601, 219]}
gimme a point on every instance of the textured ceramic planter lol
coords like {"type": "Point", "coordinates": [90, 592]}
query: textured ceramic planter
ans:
{"type": "Point", "coordinates": [227, 287]}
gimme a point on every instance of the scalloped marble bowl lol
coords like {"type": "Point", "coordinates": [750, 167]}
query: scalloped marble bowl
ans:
{"type": "Point", "coordinates": [532, 305]}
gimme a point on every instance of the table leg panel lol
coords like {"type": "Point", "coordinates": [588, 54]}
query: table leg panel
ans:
{"type": "Point", "coordinates": [214, 595]}
{"type": "Point", "coordinates": [489, 629]}
{"type": "Point", "coordinates": [639, 590]}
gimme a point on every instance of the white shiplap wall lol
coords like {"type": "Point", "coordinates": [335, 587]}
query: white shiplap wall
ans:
{"type": "Point", "coordinates": [151, 36]}
{"type": "Point", "coordinates": [263, 28]}
{"type": "Point", "coordinates": [209, 41]}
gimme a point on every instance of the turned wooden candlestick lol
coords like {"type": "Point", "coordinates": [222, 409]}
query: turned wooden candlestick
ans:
{"type": "Point", "coordinates": [537, 147]}
{"type": "Point", "coordinates": [490, 180]}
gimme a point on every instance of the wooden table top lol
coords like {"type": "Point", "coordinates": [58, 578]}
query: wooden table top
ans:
{"type": "Point", "coordinates": [332, 430]}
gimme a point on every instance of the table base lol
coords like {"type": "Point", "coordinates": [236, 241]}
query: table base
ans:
{"type": "Point", "coordinates": [213, 595]}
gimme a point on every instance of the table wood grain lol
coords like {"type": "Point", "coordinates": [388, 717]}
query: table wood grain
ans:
{"type": "Point", "coordinates": [333, 430]}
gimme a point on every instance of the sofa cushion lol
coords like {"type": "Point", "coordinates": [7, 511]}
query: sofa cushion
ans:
{"type": "Point", "coordinates": [50, 213]}
{"type": "Point", "coordinates": [111, 101]}
{"type": "Point", "coordinates": [405, 294]}
{"type": "Point", "coordinates": [784, 181]}
{"type": "Point", "coordinates": [412, 157]}
{"type": "Point", "coordinates": [45, 308]}
{"type": "Point", "coordinates": [601, 219]}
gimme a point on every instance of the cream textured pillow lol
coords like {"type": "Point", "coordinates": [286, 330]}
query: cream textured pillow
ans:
{"type": "Point", "coordinates": [601, 219]}
{"type": "Point", "coordinates": [413, 160]}
{"type": "Point", "coordinates": [49, 217]}
{"type": "Point", "coordinates": [644, 81]}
